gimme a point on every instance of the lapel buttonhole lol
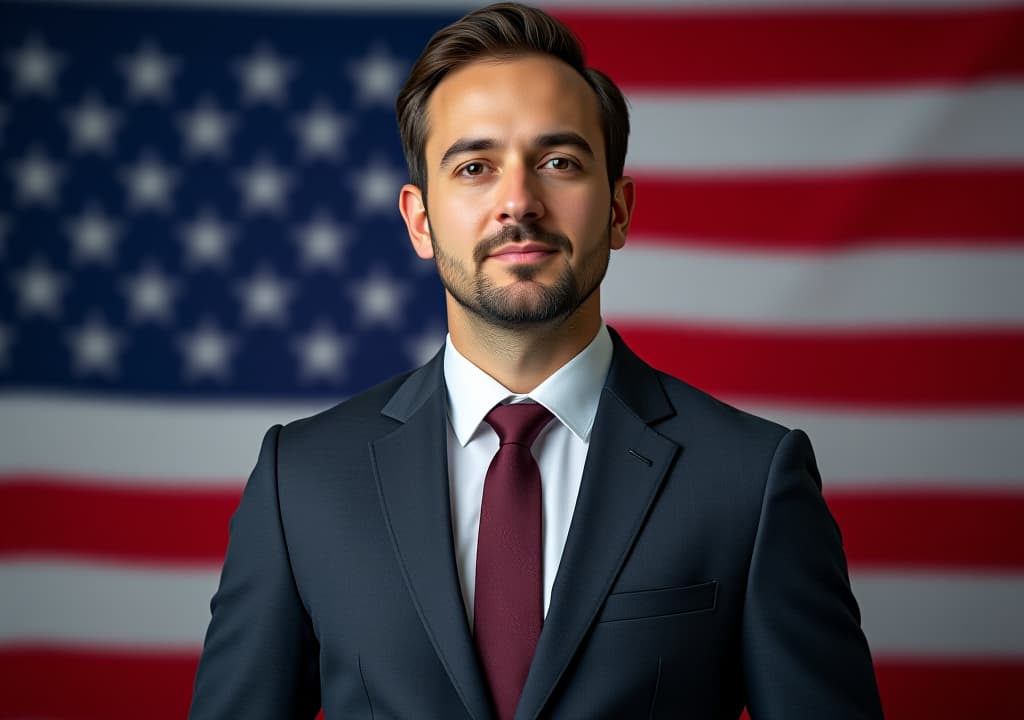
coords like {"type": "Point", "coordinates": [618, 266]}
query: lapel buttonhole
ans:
{"type": "Point", "coordinates": [646, 461]}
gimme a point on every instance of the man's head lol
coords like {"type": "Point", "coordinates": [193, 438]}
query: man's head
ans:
{"type": "Point", "coordinates": [501, 32]}
{"type": "Point", "coordinates": [522, 149]}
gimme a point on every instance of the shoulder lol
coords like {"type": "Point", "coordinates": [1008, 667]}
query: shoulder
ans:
{"type": "Point", "coordinates": [685, 413]}
{"type": "Point", "coordinates": [716, 434]}
{"type": "Point", "coordinates": [350, 424]}
{"type": "Point", "coordinates": [702, 414]}
{"type": "Point", "coordinates": [732, 454]}
{"type": "Point", "coordinates": [721, 446]}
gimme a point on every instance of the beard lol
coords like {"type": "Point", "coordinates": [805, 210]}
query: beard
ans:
{"type": "Point", "coordinates": [526, 302]}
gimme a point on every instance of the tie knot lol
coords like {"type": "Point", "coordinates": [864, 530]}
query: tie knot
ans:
{"type": "Point", "coordinates": [518, 423]}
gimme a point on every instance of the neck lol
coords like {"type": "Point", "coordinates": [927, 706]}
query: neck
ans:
{"type": "Point", "coordinates": [522, 358]}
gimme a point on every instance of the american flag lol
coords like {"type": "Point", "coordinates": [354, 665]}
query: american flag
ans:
{"type": "Point", "coordinates": [199, 238]}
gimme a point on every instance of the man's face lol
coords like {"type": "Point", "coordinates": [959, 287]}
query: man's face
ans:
{"type": "Point", "coordinates": [520, 217]}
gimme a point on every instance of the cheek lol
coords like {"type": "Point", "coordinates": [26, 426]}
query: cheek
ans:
{"type": "Point", "coordinates": [453, 223]}
{"type": "Point", "coordinates": [459, 206]}
{"type": "Point", "coordinates": [586, 203]}
{"type": "Point", "coordinates": [456, 241]}
{"type": "Point", "coordinates": [589, 216]}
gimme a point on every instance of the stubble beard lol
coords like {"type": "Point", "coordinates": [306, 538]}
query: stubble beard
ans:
{"type": "Point", "coordinates": [525, 303]}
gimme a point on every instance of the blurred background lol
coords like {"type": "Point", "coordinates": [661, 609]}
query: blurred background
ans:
{"type": "Point", "coordinates": [199, 238]}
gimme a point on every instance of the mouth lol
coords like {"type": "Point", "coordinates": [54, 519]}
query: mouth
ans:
{"type": "Point", "coordinates": [520, 253]}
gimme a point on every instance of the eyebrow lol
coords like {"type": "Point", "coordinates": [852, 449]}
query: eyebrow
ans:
{"type": "Point", "coordinates": [548, 140]}
{"type": "Point", "coordinates": [464, 145]}
{"type": "Point", "coordinates": [571, 139]}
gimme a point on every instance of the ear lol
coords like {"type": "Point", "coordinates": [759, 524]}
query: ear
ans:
{"type": "Point", "coordinates": [623, 198]}
{"type": "Point", "coordinates": [414, 212]}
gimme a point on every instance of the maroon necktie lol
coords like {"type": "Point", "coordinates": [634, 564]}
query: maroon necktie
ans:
{"type": "Point", "coordinates": [509, 604]}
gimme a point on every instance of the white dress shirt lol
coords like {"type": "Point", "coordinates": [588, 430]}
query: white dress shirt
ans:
{"type": "Point", "coordinates": [571, 393]}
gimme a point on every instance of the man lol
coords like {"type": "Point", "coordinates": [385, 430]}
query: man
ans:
{"type": "Point", "coordinates": [535, 523]}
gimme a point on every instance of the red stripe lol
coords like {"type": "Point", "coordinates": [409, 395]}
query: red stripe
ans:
{"type": "Point", "coordinates": [88, 685]}
{"type": "Point", "coordinates": [931, 528]}
{"type": "Point", "coordinates": [927, 528]}
{"type": "Point", "coordinates": [950, 690]}
{"type": "Point", "coordinates": [965, 368]}
{"type": "Point", "coordinates": [96, 685]}
{"type": "Point", "coordinates": [720, 50]}
{"type": "Point", "coordinates": [824, 212]}
{"type": "Point", "coordinates": [41, 515]}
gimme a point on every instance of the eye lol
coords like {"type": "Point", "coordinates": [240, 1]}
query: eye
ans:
{"type": "Point", "coordinates": [472, 169]}
{"type": "Point", "coordinates": [559, 163]}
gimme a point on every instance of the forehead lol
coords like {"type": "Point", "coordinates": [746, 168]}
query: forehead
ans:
{"type": "Point", "coordinates": [510, 101]}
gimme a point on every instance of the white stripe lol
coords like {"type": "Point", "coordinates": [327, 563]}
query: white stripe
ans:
{"type": "Point", "coordinates": [82, 604]}
{"type": "Point", "coordinates": [947, 615]}
{"type": "Point", "coordinates": [906, 613]}
{"type": "Point", "coordinates": [126, 441]}
{"type": "Point", "coordinates": [204, 444]}
{"type": "Point", "coordinates": [793, 131]}
{"type": "Point", "coordinates": [614, 5]}
{"type": "Point", "coordinates": [869, 450]}
{"type": "Point", "coordinates": [877, 288]}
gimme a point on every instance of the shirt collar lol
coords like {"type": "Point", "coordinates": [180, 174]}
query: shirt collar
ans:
{"type": "Point", "coordinates": [571, 393]}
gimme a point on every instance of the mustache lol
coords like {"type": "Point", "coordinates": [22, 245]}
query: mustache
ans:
{"type": "Point", "coordinates": [520, 232]}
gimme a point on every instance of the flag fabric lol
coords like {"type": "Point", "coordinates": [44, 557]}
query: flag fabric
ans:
{"type": "Point", "coordinates": [199, 238]}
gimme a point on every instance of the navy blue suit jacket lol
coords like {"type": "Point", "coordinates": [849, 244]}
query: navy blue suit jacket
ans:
{"type": "Point", "coordinates": [702, 571]}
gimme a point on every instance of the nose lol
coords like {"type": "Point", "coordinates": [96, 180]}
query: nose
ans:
{"type": "Point", "coordinates": [518, 197]}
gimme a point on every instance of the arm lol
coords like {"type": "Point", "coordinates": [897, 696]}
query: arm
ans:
{"type": "Point", "coordinates": [804, 654]}
{"type": "Point", "coordinates": [260, 657]}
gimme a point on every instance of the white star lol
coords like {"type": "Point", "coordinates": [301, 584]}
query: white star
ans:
{"type": "Point", "coordinates": [207, 352]}
{"type": "Point", "coordinates": [377, 187]}
{"type": "Point", "coordinates": [264, 76]}
{"type": "Point", "coordinates": [265, 298]}
{"type": "Point", "coordinates": [37, 178]}
{"type": "Point", "coordinates": [264, 186]}
{"type": "Point", "coordinates": [150, 294]}
{"type": "Point", "coordinates": [93, 235]}
{"type": "Point", "coordinates": [322, 242]}
{"type": "Point", "coordinates": [149, 72]}
{"type": "Point", "coordinates": [35, 67]}
{"type": "Point", "coordinates": [420, 349]}
{"type": "Point", "coordinates": [39, 289]}
{"type": "Point", "coordinates": [321, 131]}
{"type": "Point", "coordinates": [206, 129]}
{"type": "Point", "coordinates": [322, 353]}
{"type": "Point", "coordinates": [150, 183]}
{"type": "Point", "coordinates": [379, 299]}
{"type": "Point", "coordinates": [92, 125]}
{"type": "Point", "coordinates": [6, 340]}
{"type": "Point", "coordinates": [377, 76]}
{"type": "Point", "coordinates": [95, 347]}
{"type": "Point", "coordinates": [207, 240]}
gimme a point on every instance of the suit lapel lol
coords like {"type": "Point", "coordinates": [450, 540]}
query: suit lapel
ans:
{"type": "Point", "coordinates": [624, 470]}
{"type": "Point", "coordinates": [412, 477]}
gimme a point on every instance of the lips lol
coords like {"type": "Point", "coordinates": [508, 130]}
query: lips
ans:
{"type": "Point", "coordinates": [523, 252]}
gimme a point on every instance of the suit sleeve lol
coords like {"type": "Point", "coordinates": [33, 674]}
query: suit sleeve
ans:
{"type": "Point", "coordinates": [260, 656]}
{"type": "Point", "coordinates": [804, 654]}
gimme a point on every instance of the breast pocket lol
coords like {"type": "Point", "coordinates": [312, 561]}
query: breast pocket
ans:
{"type": "Point", "coordinates": [657, 603]}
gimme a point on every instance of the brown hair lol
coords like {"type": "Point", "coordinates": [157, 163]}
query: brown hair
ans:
{"type": "Point", "coordinates": [503, 31]}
